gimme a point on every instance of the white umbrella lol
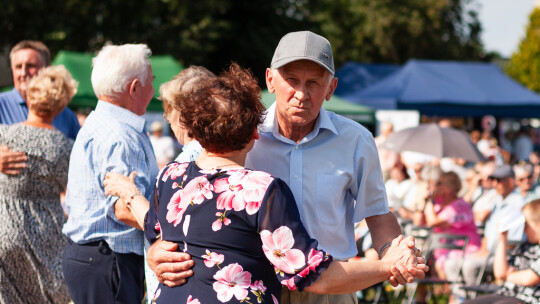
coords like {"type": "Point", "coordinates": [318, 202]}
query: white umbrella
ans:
{"type": "Point", "coordinates": [434, 140]}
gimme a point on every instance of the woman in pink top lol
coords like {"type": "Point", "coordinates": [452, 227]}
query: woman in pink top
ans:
{"type": "Point", "coordinates": [450, 214]}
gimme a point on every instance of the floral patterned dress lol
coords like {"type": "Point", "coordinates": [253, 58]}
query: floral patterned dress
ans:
{"type": "Point", "coordinates": [31, 239]}
{"type": "Point", "coordinates": [242, 229]}
{"type": "Point", "coordinates": [525, 256]}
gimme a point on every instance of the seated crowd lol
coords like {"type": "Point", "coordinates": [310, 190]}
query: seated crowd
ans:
{"type": "Point", "coordinates": [483, 201]}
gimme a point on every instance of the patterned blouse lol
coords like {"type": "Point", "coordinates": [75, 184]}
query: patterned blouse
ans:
{"type": "Point", "coordinates": [525, 256]}
{"type": "Point", "coordinates": [242, 229]}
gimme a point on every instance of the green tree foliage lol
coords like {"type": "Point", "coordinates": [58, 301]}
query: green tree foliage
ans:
{"type": "Point", "coordinates": [395, 30]}
{"type": "Point", "coordinates": [213, 33]}
{"type": "Point", "coordinates": [524, 65]}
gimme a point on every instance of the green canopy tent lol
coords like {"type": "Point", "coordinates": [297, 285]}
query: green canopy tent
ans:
{"type": "Point", "coordinates": [361, 114]}
{"type": "Point", "coordinates": [80, 66]}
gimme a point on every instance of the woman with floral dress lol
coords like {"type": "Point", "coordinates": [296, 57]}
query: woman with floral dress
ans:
{"type": "Point", "coordinates": [241, 227]}
{"type": "Point", "coordinates": [32, 216]}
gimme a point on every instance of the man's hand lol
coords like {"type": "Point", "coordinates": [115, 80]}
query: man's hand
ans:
{"type": "Point", "coordinates": [171, 267]}
{"type": "Point", "coordinates": [123, 214]}
{"type": "Point", "coordinates": [11, 162]}
{"type": "Point", "coordinates": [407, 261]}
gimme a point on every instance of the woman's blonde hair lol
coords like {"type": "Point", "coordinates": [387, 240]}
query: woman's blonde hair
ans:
{"type": "Point", "coordinates": [187, 80]}
{"type": "Point", "coordinates": [50, 91]}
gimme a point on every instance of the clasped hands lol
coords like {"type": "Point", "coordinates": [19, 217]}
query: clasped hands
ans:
{"type": "Point", "coordinates": [405, 261]}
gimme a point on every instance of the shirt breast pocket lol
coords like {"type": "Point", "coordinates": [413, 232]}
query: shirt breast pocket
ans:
{"type": "Point", "coordinates": [330, 196]}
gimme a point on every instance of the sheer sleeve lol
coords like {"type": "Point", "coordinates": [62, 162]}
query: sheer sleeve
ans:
{"type": "Point", "coordinates": [152, 229]}
{"type": "Point", "coordinates": [286, 243]}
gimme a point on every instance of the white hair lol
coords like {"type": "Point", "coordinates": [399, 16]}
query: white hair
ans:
{"type": "Point", "coordinates": [117, 65]}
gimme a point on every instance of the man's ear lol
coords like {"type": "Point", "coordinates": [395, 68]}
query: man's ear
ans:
{"type": "Point", "coordinates": [134, 87]}
{"type": "Point", "coordinates": [332, 89]}
{"type": "Point", "coordinates": [256, 134]}
{"type": "Point", "coordinates": [270, 80]}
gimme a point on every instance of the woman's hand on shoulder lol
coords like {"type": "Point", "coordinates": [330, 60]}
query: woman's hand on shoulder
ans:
{"type": "Point", "coordinates": [120, 185]}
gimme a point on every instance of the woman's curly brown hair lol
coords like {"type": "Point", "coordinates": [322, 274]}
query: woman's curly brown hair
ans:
{"type": "Point", "coordinates": [223, 112]}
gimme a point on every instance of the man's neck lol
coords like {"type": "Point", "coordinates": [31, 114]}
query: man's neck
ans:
{"type": "Point", "coordinates": [23, 94]}
{"type": "Point", "coordinates": [295, 133]}
{"type": "Point", "coordinates": [121, 101]}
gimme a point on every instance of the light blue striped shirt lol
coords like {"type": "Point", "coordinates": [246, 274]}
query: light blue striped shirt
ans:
{"type": "Point", "coordinates": [112, 139]}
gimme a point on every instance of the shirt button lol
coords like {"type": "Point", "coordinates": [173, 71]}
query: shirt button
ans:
{"type": "Point", "coordinates": [296, 147]}
{"type": "Point", "coordinates": [296, 177]}
{"type": "Point", "coordinates": [90, 260]}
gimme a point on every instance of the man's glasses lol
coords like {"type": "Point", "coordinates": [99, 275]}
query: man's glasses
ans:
{"type": "Point", "coordinates": [525, 178]}
{"type": "Point", "coordinates": [166, 117]}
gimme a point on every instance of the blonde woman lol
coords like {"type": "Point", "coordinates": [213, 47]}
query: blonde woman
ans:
{"type": "Point", "coordinates": [31, 239]}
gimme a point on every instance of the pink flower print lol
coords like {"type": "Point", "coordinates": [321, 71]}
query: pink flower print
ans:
{"type": "Point", "coordinates": [258, 285]}
{"type": "Point", "coordinates": [157, 227]}
{"type": "Point", "coordinates": [225, 201]}
{"type": "Point", "coordinates": [277, 247]}
{"type": "Point", "coordinates": [242, 189]}
{"type": "Point", "coordinates": [198, 189]}
{"type": "Point", "coordinates": [195, 192]}
{"type": "Point", "coordinates": [174, 170]}
{"type": "Point", "coordinates": [315, 258]}
{"type": "Point", "coordinates": [230, 197]}
{"type": "Point", "coordinates": [289, 283]}
{"type": "Point", "coordinates": [221, 185]}
{"type": "Point", "coordinates": [176, 206]}
{"type": "Point", "coordinates": [190, 300]}
{"type": "Point", "coordinates": [258, 289]}
{"type": "Point", "coordinates": [217, 224]}
{"type": "Point", "coordinates": [254, 185]}
{"type": "Point", "coordinates": [232, 280]}
{"type": "Point", "coordinates": [212, 258]}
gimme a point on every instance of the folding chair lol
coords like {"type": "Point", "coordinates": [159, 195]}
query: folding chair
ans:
{"type": "Point", "coordinates": [439, 241]}
{"type": "Point", "coordinates": [421, 235]}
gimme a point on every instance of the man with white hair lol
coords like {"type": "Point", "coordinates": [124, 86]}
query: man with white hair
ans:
{"type": "Point", "coordinates": [103, 260]}
{"type": "Point", "coordinates": [525, 182]}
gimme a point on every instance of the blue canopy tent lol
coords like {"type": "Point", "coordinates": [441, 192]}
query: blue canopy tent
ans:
{"type": "Point", "coordinates": [355, 76]}
{"type": "Point", "coordinates": [449, 88]}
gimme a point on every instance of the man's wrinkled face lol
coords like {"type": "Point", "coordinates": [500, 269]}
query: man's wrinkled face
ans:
{"type": "Point", "coordinates": [301, 88]}
{"type": "Point", "coordinates": [25, 64]}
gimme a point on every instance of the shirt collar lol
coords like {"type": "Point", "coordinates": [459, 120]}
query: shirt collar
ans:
{"type": "Point", "coordinates": [124, 115]}
{"type": "Point", "coordinates": [18, 97]}
{"type": "Point", "coordinates": [270, 124]}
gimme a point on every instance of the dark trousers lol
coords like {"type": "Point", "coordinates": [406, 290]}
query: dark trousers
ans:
{"type": "Point", "coordinates": [96, 274]}
{"type": "Point", "coordinates": [493, 299]}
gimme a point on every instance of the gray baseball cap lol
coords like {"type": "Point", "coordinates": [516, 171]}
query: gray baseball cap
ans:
{"type": "Point", "coordinates": [503, 171]}
{"type": "Point", "coordinates": [303, 46]}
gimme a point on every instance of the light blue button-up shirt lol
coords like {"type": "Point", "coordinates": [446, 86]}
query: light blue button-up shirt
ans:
{"type": "Point", "coordinates": [505, 212]}
{"type": "Point", "coordinates": [112, 139]}
{"type": "Point", "coordinates": [334, 174]}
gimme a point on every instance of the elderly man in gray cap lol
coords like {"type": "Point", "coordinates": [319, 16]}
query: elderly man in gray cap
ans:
{"type": "Point", "coordinates": [329, 162]}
